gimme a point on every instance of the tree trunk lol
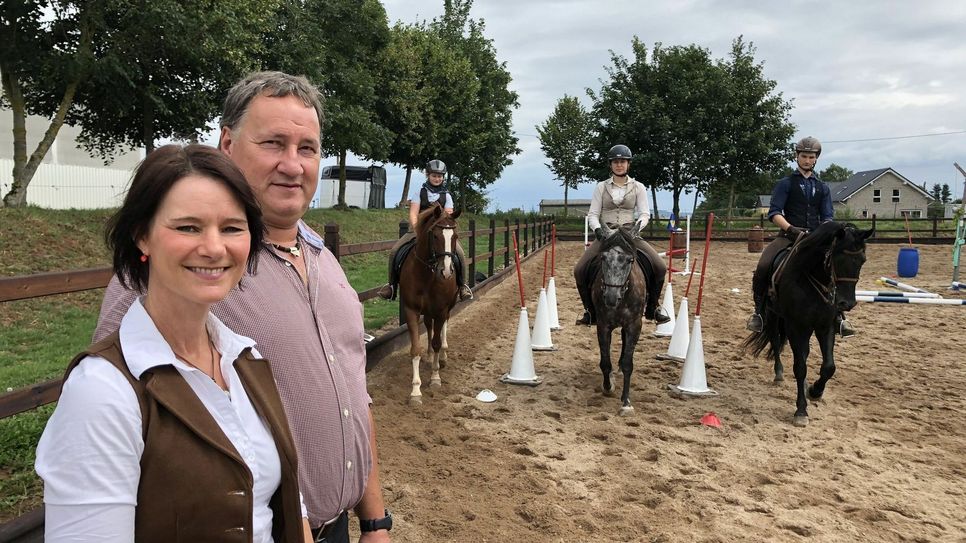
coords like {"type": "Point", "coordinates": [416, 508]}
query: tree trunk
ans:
{"type": "Point", "coordinates": [342, 204]}
{"type": "Point", "coordinates": [405, 191]}
{"type": "Point", "coordinates": [566, 187]}
{"type": "Point", "coordinates": [731, 204]}
{"type": "Point", "coordinates": [23, 168]}
{"type": "Point", "coordinates": [147, 121]}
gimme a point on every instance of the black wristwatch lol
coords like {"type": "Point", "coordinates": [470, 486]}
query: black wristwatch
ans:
{"type": "Point", "coordinates": [371, 525]}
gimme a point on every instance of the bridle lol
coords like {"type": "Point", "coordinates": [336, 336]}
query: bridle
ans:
{"type": "Point", "coordinates": [827, 290]}
{"type": "Point", "coordinates": [435, 257]}
{"type": "Point", "coordinates": [625, 281]}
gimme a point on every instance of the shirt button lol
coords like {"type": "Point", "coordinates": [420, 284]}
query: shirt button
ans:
{"type": "Point", "coordinates": [331, 358]}
{"type": "Point", "coordinates": [345, 412]}
{"type": "Point", "coordinates": [289, 264]}
{"type": "Point", "coordinates": [348, 465]}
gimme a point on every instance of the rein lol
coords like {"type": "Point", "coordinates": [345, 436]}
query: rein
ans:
{"type": "Point", "coordinates": [434, 257]}
{"type": "Point", "coordinates": [827, 290]}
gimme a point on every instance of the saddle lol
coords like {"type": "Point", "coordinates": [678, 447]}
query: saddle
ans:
{"type": "Point", "coordinates": [400, 258]}
{"type": "Point", "coordinates": [778, 267]}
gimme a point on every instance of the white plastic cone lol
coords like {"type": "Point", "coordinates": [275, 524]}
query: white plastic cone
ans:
{"type": "Point", "coordinates": [552, 304]}
{"type": "Point", "coordinates": [678, 349]}
{"type": "Point", "coordinates": [540, 339]}
{"type": "Point", "coordinates": [694, 382]}
{"type": "Point", "coordinates": [667, 328]}
{"type": "Point", "coordinates": [521, 368]}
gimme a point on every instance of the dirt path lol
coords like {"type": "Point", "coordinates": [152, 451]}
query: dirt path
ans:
{"type": "Point", "coordinates": [884, 458]}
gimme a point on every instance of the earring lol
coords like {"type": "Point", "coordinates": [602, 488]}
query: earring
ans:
{"type": "Point", "coordinates": [144, 258]}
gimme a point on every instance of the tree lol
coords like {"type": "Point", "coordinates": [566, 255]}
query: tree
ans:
{"type": "Point", "coordinates": [945, 194]}
{"type": "Point", "coordinates": [353, 34]}
{"type": "Point", "coordinates": [835, 173]}
{"type": "Point", "coordinates": [46, 55]}
{"type": "Point", "coordinates": [755, 123]}
{"type": "Point", "coordinates": [564, 137]}
{"type": "Point", "coordinates": [479, 145]}
{"type": "Point", "coordinates": [424, 89]}
{"type": "Point", "coordinates": [168, 66]}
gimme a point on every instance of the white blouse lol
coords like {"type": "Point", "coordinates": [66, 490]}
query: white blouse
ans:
{"type": "Point", "coordinates": [89, 454]}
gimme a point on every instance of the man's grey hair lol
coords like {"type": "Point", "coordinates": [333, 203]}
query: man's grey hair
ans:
{"type": "Point", "coordinates": [273, 85]}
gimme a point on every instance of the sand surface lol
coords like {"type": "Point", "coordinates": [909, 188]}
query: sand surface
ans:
{"type": "Point", "coordinates": [883, 458]}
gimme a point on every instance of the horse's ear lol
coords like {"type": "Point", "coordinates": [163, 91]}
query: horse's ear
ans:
{"type": "Point", "coordinates": [866, 234]}
{"type": "Point", "coordinates": [456, 214]}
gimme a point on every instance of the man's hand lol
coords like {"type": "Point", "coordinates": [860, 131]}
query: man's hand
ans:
{"type": "Point", "coordinates": [794, 231]}
{"type": "Point", "coordinates": [599, 233]}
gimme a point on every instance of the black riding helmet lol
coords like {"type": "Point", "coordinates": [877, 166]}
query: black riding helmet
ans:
{"type": "Point", "coordinates": [436, 166]}
{"type": "Point", "coordinates": [619, 151]}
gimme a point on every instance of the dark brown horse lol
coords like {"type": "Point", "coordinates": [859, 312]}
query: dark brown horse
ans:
{"type": "Point", "coordinates": [818, 281]}
{"type": "Point", "coordinates": [427, 285]}
{"type": "Point", "coordinates": [619, 293]}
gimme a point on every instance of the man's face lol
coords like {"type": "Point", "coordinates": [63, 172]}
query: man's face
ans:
{"type": "Point", "coordinates": [619, 166]}
{"type": "Point", "coordinates": [806, 161]}
{"type": "Point", "coordinates": [276, 145]}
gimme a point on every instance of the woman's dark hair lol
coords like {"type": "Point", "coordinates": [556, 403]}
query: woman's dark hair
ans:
{"type": "Point", "coordinates": [152, 181]}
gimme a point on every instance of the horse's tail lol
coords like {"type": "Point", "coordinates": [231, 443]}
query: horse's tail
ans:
{"type": "Point", "coordinates": [756, 342]}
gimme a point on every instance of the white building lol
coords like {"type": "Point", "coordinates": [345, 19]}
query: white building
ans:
{"type": "Point", "coordinates": [68, 176]}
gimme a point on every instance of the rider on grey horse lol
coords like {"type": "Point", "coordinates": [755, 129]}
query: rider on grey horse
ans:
{"type": "Point", "coordinates": [617, 201]}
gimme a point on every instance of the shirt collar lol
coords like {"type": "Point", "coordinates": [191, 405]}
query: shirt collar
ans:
{"type": "Point", "coordinates": [610, 180]}
{"type": "Point", "coordinates": [144, 347]}
{"type": "Point", "coordinates": [309, 236]}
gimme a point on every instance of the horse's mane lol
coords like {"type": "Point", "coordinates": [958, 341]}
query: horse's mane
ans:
{"type": "Point", "coordinates": [621, 237]}
{"type": "Point", "coordinates": [425, 217]}
{"type": "Point", "coordinates": [819, 240]}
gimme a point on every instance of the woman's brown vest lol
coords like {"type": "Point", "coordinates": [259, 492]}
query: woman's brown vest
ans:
{"type": "Point", "coordinates": [194, 486]}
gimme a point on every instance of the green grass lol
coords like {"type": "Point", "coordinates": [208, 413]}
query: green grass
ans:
{"type": "Point", "coordinates": [38, 337]}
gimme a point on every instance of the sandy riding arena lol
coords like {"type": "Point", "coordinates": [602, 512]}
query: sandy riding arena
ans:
{"type": "Point", "coordinates": [883, 458]}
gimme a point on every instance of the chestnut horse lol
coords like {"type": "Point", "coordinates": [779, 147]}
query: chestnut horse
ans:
{"type": "Point", "coordinates": [427, 286]}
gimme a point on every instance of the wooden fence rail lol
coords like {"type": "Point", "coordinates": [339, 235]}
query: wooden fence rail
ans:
{"type": "Point", "coordinates": [29, 527]}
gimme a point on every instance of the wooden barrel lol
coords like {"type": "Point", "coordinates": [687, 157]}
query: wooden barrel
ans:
{"type": "Point", "coordinates": [756, 239]}
{"type": "Point", "coordinates": [680, 242]}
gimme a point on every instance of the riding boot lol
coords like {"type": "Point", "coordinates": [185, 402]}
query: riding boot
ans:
{"type": "Point", "coordinates": [465, 293]}
{"type": "Point", "coordinates": [589, 316]}
{"type": "Point", "coordinates": [844, 327]}
{"type": "Point", "coordinates": [755, 322]}
{"type": "Point", "coordinates": [654, 287]}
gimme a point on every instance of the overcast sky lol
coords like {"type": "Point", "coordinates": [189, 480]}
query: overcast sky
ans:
{"type": "Point", "coordinates": [857, 70]}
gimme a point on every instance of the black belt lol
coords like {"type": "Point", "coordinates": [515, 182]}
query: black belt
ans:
{"type": "Point", "coordinates": [340, 522]}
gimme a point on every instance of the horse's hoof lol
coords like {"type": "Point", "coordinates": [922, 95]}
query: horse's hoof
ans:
{"type": "Point", "coordinates": [609, 391]}
{"type": "Point", "coordinates": [779, 379]}
{"type": "Point", "coordinates": [801, 421]}
{"type": "Point", "coordinates": [442, 363]}
{"type": "Point", "coordinates": [626, 410]}
{"type": "Point", "coordinates": [435, 383]}
{"type": "Point", "coordinates": [415, 400]}
{"type": "Point", "coordinates": [813, 397]}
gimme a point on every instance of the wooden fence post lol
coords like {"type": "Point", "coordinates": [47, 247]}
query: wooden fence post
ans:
{"type": "Point", "coordinates": [526, 237]}
{"type": "Point", "coordinates": [331, 238]}
{"type": "Point", "coordinates": [403, 230]}
{"type": "Point", "coordinates": [935, 227]}
{"type": "Point", "coordinates": [492, 240]}
{"type": "Point", "coordinates": [506, 243]}
{"type": "Point", "coordinates": [472, 271]}
{"type": "Point", "coordinates": [873, 225]}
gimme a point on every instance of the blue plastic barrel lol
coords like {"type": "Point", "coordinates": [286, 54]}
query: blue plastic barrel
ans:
{"type": "Point", "coordinates": [908, 264]}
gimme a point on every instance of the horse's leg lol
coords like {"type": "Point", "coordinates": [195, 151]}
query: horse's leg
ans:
{"type": "Point", "coordinates": [777, 344]}
{"type": "Point", "coordinates": [439, 331]}
{"type": "Point", "coordinates": [798, 339]}
{"type": "Point", "coordinates": [826, 342]}
{"type": "Point", "coordinates": [629, 336]}
{"type": "Point", "coordinates": [445, 347]}
{"type": "Point", "coordinates": [412, 323]}
{"type": "Point", "coordinates": [603, 341]}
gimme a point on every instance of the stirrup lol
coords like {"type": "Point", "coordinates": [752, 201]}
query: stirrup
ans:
{"type": "Point", "coordinates": [660, 316]}
{"type": "Point", "coordinates": [386, 292]}
{"type": "Point", "coordinates": [587, 319]}
{"type": "Point", "coordinates": [755, 324]}
{"type": "Point", "coordinates": [465, 293]}
{"type": "Point", "coordinates": [845, 328]}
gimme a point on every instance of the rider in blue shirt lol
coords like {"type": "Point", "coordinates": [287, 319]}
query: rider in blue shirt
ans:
{"type": "Point", "coordinates": [799, 203]}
